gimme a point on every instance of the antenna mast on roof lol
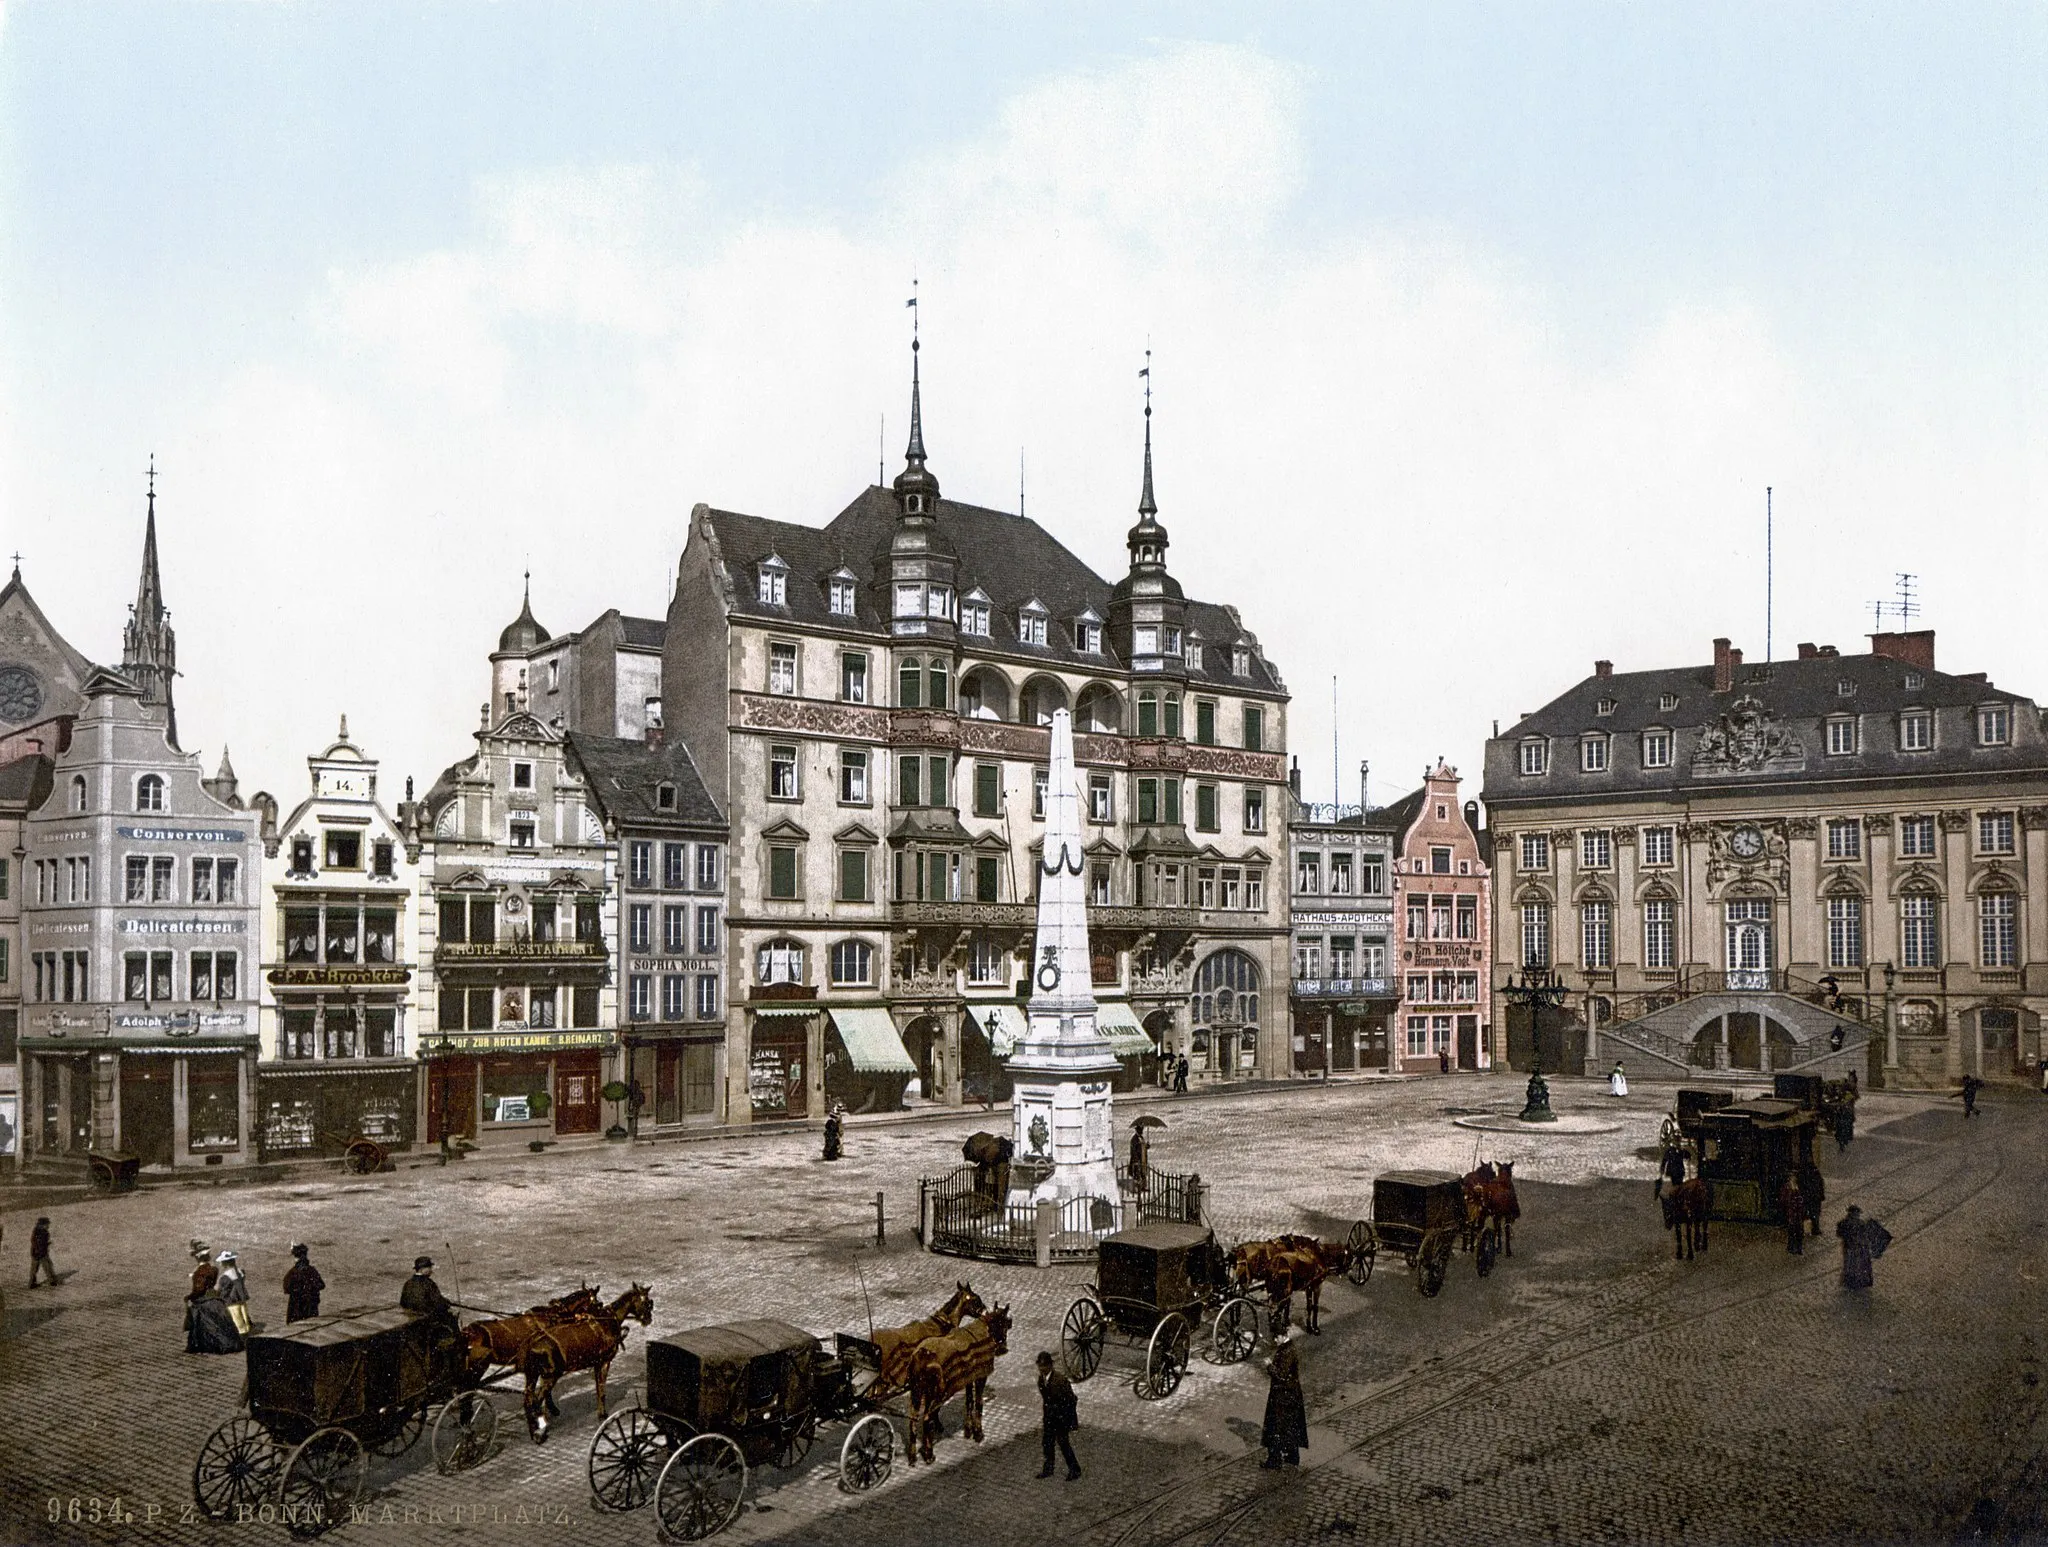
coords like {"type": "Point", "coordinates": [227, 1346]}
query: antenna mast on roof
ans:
{"type": "Point", "coordinates": [1769, 536]}
{"type": "Point", "coordinates": [1336, 764]}
{"type": "Point", "coordinates": [1905, 607]}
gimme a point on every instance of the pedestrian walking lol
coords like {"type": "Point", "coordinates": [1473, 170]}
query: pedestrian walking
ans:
{"type": "Point", "coordinates": [1863, 1242]}
{"type": "Point", "coordinates": [1971, 1085]}
{"type": "Point", "coordinates": [39, 1261]}
{"type": "Point", "coordinates": [835, 1127]}
{"type": "Point", "coordinates": [1285, 1434]}
{"type": "Point", "coordinates": [204, 1276]}
{"type": "Point", "coordinates": [233, 1288]}
{"type": "Point", "coordinates": [302, 1286]}
{"type": "Point", "coordinates": [1845, 1124]}
{"type": "Point", "coordinates": [1059, 1417]}
{"type": "Point", "coordinates": [1813, 1192]}
{"type": "Point", "coordinates": [1617, 1081]}
{"type": "Point", "coordinates": [1443, 1060]}
{"type": "Point", "coordinates": [1792, 1205]}
{"type": "Point", "coordinates": [1180, 1076]}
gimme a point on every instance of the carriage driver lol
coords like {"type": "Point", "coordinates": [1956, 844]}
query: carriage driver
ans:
{"type": "Point", "coordinates": [423, 1297]}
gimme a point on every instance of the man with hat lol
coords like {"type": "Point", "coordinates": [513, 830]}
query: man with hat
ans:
{"type": "Point", "coordinates": [1285, 1431]}
{"type": "Point", "coordinates": [1059, 1417]}
{"type": "Point", "coordinates": [39, 1261]}
{"type": "Point", "coordinates": [204, 1276]}
{"type": "Point", "coordinates": [302, 1286]}
{"type": "Point", "coordinates": [423, 1297]}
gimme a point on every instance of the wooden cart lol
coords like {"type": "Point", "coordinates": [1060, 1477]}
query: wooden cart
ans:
{"type": "Point", "coordinates": [730, 1397]}
{"type": "Point", "coordinates": [322, 1396]}
{"type": "Point", "coordinates": [1421, 1215]}
{"type": "Point", "coordinates": [1156, 1285]}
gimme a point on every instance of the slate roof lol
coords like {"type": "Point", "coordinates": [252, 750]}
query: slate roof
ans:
{"type": "Point", "coordinates": [1402, 813]}
{"type": "Point", "coordinates": [1801, 696]}
{"type": "Point", "coordinates": [1011, 558]}
{"type": "Point", "coordinates": [647, 633]}
{"type": "Point", "coordinates": [25, 782]}
{"type": "Point", "coordinates": [623, 776]}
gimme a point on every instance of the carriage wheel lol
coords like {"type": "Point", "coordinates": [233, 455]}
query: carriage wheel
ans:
{"type": "Point", "coordinates": [626, 1457]}
{"type": "Point", "coordinates": [1363, 1249]}
{"type": "Point", "coordinates": [1166, 1358]}
{"type": "Point", "coordinates": [463, 1431]}
{"type": "Point", "coordinates": [320, 1480]}
{"type": "Point", "coordinates": [102, 1175]}
{"type": "Point", "coordinates": [1431, 1264]}
{"type": "Point", "coordinates": [869, 1451]}
{"type": "Point", "coordinates": [236, 1466]}
{"type": "Point", "coordinates": [797, 1434]}
{"type": "Point", "coordinates": [1670, 1134]}
{"type": "Point", "coordinates": [401, 1439]}
{"type": "Point", "coordinates": [1081, 1339]}
{"type": "Point", "coordinates": [701, 1488]}
{"type": "Point", "coordinates": [1489, 1249]}
{"type": "Point", "coordinates": [1236, 1332]}
{"type": "Point", "coordinates": [361, 1159]}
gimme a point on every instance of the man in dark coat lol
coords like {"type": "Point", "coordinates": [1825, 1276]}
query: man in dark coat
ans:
{"type": "Point", "coordinates": [1845, 1124]}
{"type": "Point", "coordinates": [204, 1276]}
{"type": "Point", "coordinates": [1813, 1192]}
{"type": "Point", "coordinates": [1792, 1205]}
{"type": "Point", "coordinates": [423, 1297]}
{"type": "Point", "coordinates": [302, 1286]}
{"type": "Point", "coordinates": [1059, 1417]}
{"type": "Point", "coordinates": [1180, 1075]}
{"type": "Point", "coordinates": [39, 1253]}
{"type": "Point", "coordinates": [1671, 1170]}
{"type": "Point", "coordinates": [1286, 1429]}
{"type": "Point", "coordinates": [835, 1127]}
{"type": "Point", "coordinates": [1971, 1085]}
{"type": "Point", "coordinates": [1863, 1242]}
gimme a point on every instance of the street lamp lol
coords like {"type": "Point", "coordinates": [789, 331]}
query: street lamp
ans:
{"type": "Point", "coordinates": [1538, 990]}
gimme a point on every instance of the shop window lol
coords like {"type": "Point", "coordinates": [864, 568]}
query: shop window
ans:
{"type": "Point", "coordinates": [302, 931]}
{"type": "Point", "coordinates": [213, 1104]}
{"type": "Point", "coordinates": [515, 1090]}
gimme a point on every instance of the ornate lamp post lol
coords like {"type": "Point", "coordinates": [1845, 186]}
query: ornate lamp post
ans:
{"type": "Point", "coordinates": [1538, 990]}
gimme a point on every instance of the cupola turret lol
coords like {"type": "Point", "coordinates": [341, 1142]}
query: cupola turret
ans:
{"type": "Point", "coordinates": [923, 596]}
{"type": "Point", "coordinates": [1148, 614]}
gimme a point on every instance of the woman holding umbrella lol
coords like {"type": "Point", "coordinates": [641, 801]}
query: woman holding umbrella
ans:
{"type": "Point", "coordinates": [1141, 1151]}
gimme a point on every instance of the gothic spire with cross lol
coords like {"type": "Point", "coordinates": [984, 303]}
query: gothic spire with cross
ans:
{"type": "Point", "coordinates": [149, 647]}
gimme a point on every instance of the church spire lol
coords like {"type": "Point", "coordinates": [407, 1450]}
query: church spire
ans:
{"type": "Point", "coordinates": [1147, 540]}
{"type": "Point", "coordinates": [149, 653]}
{"type": "Point", "coordinates": [1147, 505]}
{"type": "Point", "coordinates": [916, 488]}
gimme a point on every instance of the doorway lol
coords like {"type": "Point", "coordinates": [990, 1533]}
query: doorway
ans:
{"type": "Point", "coordinates": [451, 1099]}
{"type": "Point", "coordinates": [1468, 1042]}
{"type": "Point", "coordinates": [576, 1093]}
{"type": "Point", "coordinates": [146, 1109]}
{"type": "Point", "coordinates": [1745, 1040]}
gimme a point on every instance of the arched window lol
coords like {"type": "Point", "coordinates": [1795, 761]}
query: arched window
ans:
{"type": "Point", "coordinates": [78, 792]}
{"type": "Point", "coordinates": [1041, 696]}
{"type": "Point", "coordinates": [853, 961]}
{"type": "Point", "coordinates": [149, 793]}
{"type": "Point", "coordinates": [984, 696]}
{"type": "Point", "coordinates": [1227, 991]}
{"type": "Point", "coordinates": [937, 676]}
{"type": "Point", "coordinates": [910, 684]}
{"type": "Point", "coordinates": [1098, 710]}
{"type": "Point", "coordinates": [780, 961]}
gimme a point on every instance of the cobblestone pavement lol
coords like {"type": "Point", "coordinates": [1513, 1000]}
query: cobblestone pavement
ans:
{"type": "Point", "coordinates": [1592, 1389]}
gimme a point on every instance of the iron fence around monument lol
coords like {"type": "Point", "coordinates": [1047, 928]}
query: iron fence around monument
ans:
{"type": "Point", "coordinates": [960, 1220]}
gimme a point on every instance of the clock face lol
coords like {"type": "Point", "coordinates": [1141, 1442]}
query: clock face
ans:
{"type": "Point", "coordinates": [1747, 843]}
{"type": "Point", "coordinates": [21, 695]}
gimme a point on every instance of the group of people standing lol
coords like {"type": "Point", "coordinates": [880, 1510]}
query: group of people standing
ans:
{"type": "Point", "coordinates": [1173, 1072]}
{"type": "Point", "coordinates": [217, 1304]}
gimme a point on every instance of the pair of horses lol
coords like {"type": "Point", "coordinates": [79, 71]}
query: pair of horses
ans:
{"type": "Point", "coordinates": [1490, 1199]}
{"type": "Point", "coordinates": [572, 1332]}
{"type": "Point", "coordinates": [1288, 1263]}
{"type": "Point", "coordinates": [949, 1353]}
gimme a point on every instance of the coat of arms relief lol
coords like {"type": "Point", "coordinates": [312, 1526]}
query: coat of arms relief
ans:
{"type": "Point", "coordinates": [1747, 738]}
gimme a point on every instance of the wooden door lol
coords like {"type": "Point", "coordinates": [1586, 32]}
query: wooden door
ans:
{"type": "Point", "coordinates": [146, 1106]}
{"type": "Point", "coordinates": [667, 1063]}
{"type": "Point", "coordinates": [576, 1093]}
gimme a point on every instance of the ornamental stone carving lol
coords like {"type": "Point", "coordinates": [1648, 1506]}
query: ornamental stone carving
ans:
{"type": "Point", "coordinates": [1624, 837]}
{"type": "Point", "coordinates": [1006, 740]}
{"type": "Point", "coordinates": [1875, 822]}
{"type": "Point", "coordinates": [1747, 738]}
{"type": "Point", "coordinates": [1954, 821]}
{"type": "Point", "coordinates": [1232, 763]}
{"type": "Point", "coordinates": [1802, 827]}
{"type": "Point", "coordinates": [1563, 837]}
{"type": "Point", "coordinates": [2034, 816]}
{"type": "Point", "coordinates": [924, 728]}
{"type": "Point", "coordinates": [765, 712]}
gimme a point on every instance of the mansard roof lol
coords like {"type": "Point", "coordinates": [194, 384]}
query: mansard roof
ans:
{"type": "Point", "coordinates": [1010, 557]}
{"type": "Point", "coordinates": [624, 777]}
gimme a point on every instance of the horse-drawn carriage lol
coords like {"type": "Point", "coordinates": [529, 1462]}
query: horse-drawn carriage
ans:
{"type": "Point", "coordinates": [723, 1399]}
{"type": "Point", "coordinates": [1425, 1216]}
{"type": "Point", "coordinates": [1748, 1151]}
{"type": "Point", "coordinates": [326, 1393]}
{"type": "Point", "coordinates": [1155, 1285]}
{"type": "Point", "coordinates": [1682, 1125]}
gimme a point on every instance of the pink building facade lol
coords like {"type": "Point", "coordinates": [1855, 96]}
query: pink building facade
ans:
{"type": "Point", "coordinates": [1443, 914]}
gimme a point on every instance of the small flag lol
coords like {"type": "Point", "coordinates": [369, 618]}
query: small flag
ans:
{"type": "Point", "coordinates": [911, 302]}
{"type": "Point", "coordinates": [1147, 371]}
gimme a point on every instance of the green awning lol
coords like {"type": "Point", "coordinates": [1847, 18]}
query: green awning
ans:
{"type": "Point", "coordinates": [1121, 1027]}
{"type": "Point", "coordinates": [871, 1038]}
{"type": "Point", "coordinates": [1011, 1025]}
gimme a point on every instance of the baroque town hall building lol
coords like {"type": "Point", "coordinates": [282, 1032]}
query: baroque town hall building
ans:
{"type": "Point", "coordinates": [868, 702]}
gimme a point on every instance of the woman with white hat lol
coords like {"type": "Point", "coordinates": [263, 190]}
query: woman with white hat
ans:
{"type": "Point", "coordinates": [234, 1291]}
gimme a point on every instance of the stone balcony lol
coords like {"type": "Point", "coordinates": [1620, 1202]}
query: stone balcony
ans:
{"type": "Point", "coordinates": [1024, 915]}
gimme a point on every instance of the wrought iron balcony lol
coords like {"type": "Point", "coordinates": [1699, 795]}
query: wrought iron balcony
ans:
{"type": "Point", "coordinates": [1347, 988]}
{"type": "Point", "coordinates": [1024, 915]}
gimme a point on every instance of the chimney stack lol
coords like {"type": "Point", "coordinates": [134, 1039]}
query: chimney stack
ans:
{"type": "Point", "coordinates": [1725, 662]}
{"type": "Point", "coordinates": [1807, 651]}
{"type": "Point", "coordinates": [1603, 668]}
{"type": "Point", "coordinates": [1914, 649]}
{"type": "Point", "coordinates": [1294, 779]}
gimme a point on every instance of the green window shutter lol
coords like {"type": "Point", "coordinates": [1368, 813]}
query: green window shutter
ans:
{"type": "Point", "coordinates": [909, 770]}
{"type": "Point", "coordinates": [1148, 715]}
{"type": "Point", "coordinates": [941, 790]}
{"type": "Point", "coordinates": [1205, 807]}
{"type": "Point", "coordinates": [1254, 728]}
{"type": "Point", "coordinates": [1170, 788]}
{"type": "Point", "coordinates": [987, 793]}
{"type": "Point", "coordinates": [781, 872]}
{"type": "Point", "coordinates": [853, 875]}
{"type": "Point", "coordinates": [907, 681]}
{"type": "Point", "coordinates": [987, 877]}
{"type": "Point", "coordinates": [1205, 722]}
{"type": "Point", "coordinates": [1173, 714]}
{"type": "Point", "coordinates": [1148, 800]}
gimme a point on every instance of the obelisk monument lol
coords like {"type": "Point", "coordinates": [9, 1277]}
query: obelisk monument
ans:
{"type": "Point", "coordinates": [1061, 1071]}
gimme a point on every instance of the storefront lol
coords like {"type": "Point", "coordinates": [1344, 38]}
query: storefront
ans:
{"type": "Point", "coordinates": [319, 1110]}
{"type": "Point", "coordinates": [171, 1095]}
{"type": "Point", "coordinates": [990, 1030]}
{"type": "Point", "coordinates": [1133, 1045]}
{"type": "Point", "coordinates": [505, 1086]}
{"type": "Point", "coordinates": [779, 1059]}
{"type": "Point", "coordinates": [866, 1063]}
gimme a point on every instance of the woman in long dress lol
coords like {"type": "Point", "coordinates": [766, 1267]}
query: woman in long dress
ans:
{"type": "Point", "coordinates": [1285, 1432]}
{"type": "Point", "coordinates": [1617, 1082]}
{"type": "Point", "coordinates": [234, 1291]}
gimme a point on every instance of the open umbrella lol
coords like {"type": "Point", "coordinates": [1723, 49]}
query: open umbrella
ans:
{"type": "Point", "coordinates": [1149, 1121]}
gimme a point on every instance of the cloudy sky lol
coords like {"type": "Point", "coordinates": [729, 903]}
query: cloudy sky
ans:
{"type": "Point", "coordinates": [1479, 330]}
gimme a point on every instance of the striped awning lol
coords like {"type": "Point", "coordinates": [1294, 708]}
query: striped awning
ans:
{"type": "Point", "coordinates": [1121, 1027]}
{"type": "Point", "coordinates": [1009, 1029]}
{"type": "Point", "coordinates": [872, 1041]}
{"type": "Point", "coordinates": [784, 1011]}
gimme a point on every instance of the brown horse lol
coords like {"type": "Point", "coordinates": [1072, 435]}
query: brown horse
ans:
{"type": "Point", "coordinates": [1332, 1258]}
{"type": "Point", "coordinates": [1685, 1215]}
{"type": "Point", "coordinates": [1282, 1266]}
{"type": "Point", "coordinates": [895, 1345]}
{"type": "Point", "coordinates": [1490, 1195]}
{"type": "Point", "coordinates": [502, 1340]}
{"type": "Point", "coordinates": [942, 1368]}
{"type": "Point", "coordinates": [587, 1342]}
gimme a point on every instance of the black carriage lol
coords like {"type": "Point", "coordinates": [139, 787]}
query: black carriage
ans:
{"type": "Point", "coordinates": [1748, 1150]}
{"type": "Point", "coordinates": [112, 1171]}
{"type": "Point", "coordinates": [1827, 1099]}
{"type": "Point", "coordinates": [1156, 1285]}
{"type": "Point", "coordinates": [1421, 1215]}
{"type": "Point", "coordinates": [726, 1398]}
{"type": "Point", "coordinates": [1682, 1123]}
{"type": "Point", "coordinates": [325, 1394]}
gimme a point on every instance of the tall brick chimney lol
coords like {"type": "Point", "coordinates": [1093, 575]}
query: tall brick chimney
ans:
{"type": "Point", "coordinates": [1725, 662]}
{"type": "Point", "coordinates": [1914, 649]}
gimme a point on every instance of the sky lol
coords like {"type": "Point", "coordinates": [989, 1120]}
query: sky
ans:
{"type": "Point", "coordinates": [1478, 330]}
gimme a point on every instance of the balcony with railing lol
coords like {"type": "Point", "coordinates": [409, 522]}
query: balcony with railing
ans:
{"type": "Point", "coordinates": [1347, 988]}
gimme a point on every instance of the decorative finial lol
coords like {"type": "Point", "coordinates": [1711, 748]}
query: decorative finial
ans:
{"type": "Point", "coordinates": [152, 481]}
{"type": "Point", "coordinates": [1147, 505]}
{"type": "Point", "coordinates": [17, 564]}
{"type": "Point", "coordinates": [344, 729]}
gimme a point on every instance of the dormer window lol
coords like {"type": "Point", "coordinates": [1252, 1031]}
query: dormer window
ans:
{"type": "Point", "coordinates": [1241, 661]}
{"type": "Point", "coordinates": [1841, 736]}
{"type": "Point", "coordinates": [843, 594]}
{"type": "Point", "coordinates": [1604, 707]}
{"type": "Point", "coordinates": [974, 612]}
{"type": "Point", "coordinates": [1916, 731]}
{"type": "Point", "coordinates": [1031, 624]}
{"type": "Point", "coordinates": [1593, 754]}
{"type": "Point", "coordinates": [938, 601]}
{"type": "Point", "coordinates": [1657, 749]}
{"type": "Point", "coordinates": [664, 797]}
{"type": "Point", "coordinates": [772, 582]}
{"type": "Point", "coordinates": [1087, 635]}
{"type": "Point", "coordinates": [1914, 681]}
{"type": "Point", "coordinates": [1535, 756]}
{"type": "Point", "coordinates": [1994, 726]}
{"type": "Point", "coordinates": [1169, 639]}
{"type": "Point", "coordinates": [1667, 702]}
{"type": "Point", "coordinates": [1194, 655]}
{"type": "Point", "coordinates": [1844, 688]}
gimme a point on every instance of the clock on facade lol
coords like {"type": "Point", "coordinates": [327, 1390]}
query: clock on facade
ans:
{"type": "Point", "coordinates": [1746, 843]}
{"type": "Point", "coordinates": [21, 695]}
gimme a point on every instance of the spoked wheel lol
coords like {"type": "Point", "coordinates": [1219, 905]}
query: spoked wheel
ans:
{"type": "Point", "coordinates": [795, 1444]}
{"type": "Point", "coordinates": [701, 1488]}
{"type": "Point", "coordinates": [626, 1457]}
{"type": "Point", "coordinates": [1489, 1250]}
{"type": "Point", "coordinates": [463, 1431]}
{"type": "Point", "coordinates": [405, 1436]}
{"type": "Point", "coordinates": [320, 1479]}
{"type": "Point", "coordinates": [362, 1158]}
{"type": "Point", "coordinates": [1430, 1268]}
{"type": "Point", "coordinates": [1670, 1135]}
{"type": "Point", "coordinates": [1081, 1339]}
{"type": "Point", "coordinates": [237, 1465]}
{"type": "Point", "coordinates": [1166, 1358]}
{"type": "Point", "coordinates": [867, 1455]}
{"type": "Point", "coordinates": [1236, 1332]}
{"type": "Point", "coordinates": [1363, 1249]}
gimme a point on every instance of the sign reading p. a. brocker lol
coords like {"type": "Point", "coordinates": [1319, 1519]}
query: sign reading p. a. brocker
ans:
{"type": "Point", "coordinates": [339, 977]}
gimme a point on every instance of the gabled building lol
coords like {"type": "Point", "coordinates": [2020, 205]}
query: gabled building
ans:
{"type": "Point", "coordinates": [1441, 873]}
{"type": "Point", "coordinates": [868, 703]}
{"type": "Point", "coordinates": [1825, 863]}
{"type": "Point", "coordinates": [1347, 981]}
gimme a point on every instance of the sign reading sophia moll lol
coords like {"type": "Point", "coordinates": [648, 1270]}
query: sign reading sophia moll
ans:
{"type": "Point", "coordinates": [183, 834]}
